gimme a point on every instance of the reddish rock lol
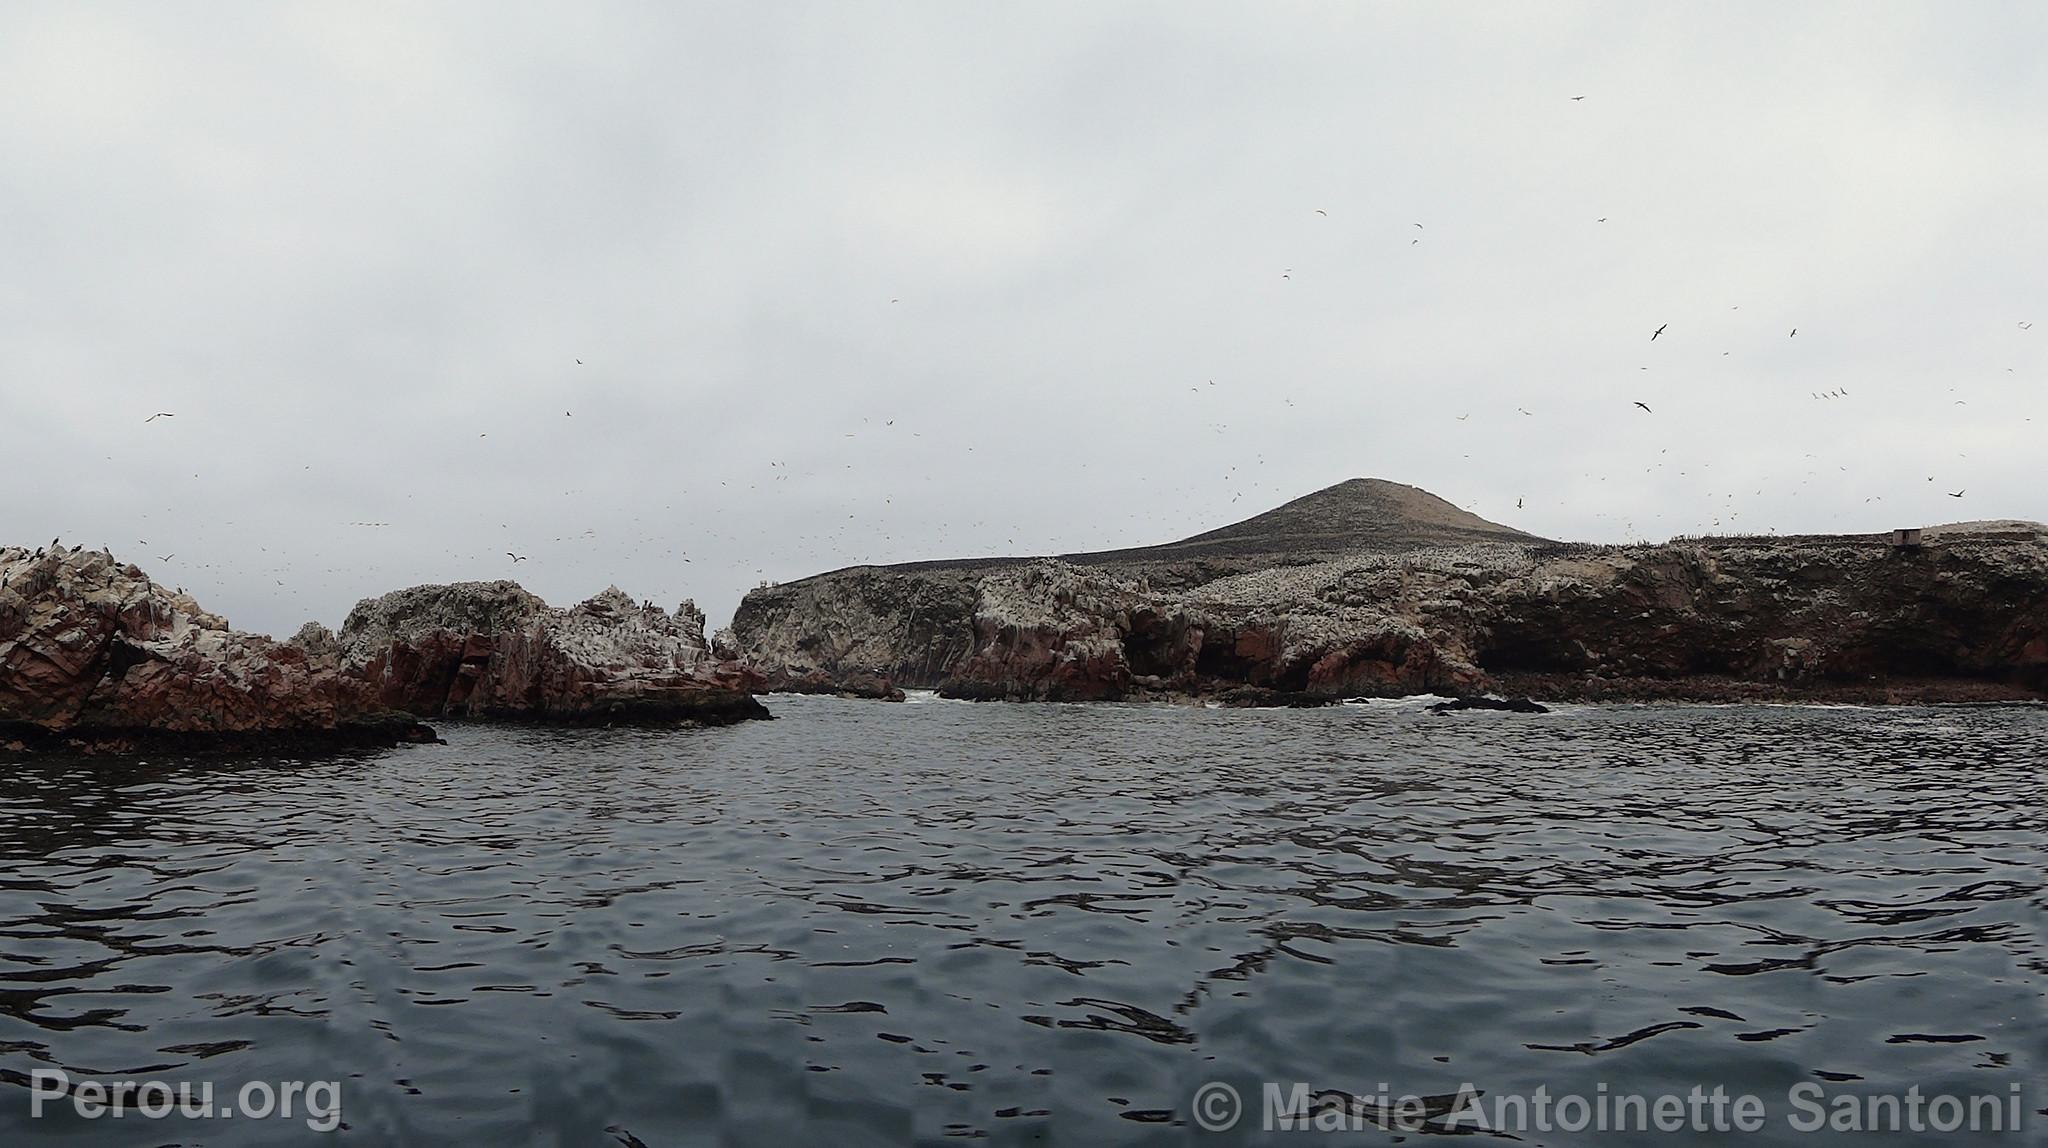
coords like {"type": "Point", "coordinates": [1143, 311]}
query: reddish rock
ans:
{"type": "Point", "coordinates": [96, 656]}
{"type": "Point", "coordinates": [1964, 616]}
{"type": "Point", "coordinates": [492, 650]}
{"type": "Point", "coordinates": [853, 684]}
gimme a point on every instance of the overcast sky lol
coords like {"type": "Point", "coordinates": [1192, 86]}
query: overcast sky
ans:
{"type": "Point", "coordinates": [878, 282]}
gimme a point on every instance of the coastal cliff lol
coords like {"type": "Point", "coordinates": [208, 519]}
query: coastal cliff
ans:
{"type": "Point", "coordinates": [493, 650]}
{"type": "Point", "coordinates": [1396, 607]}
{"type": "Point", "coordinates": [97, 657]}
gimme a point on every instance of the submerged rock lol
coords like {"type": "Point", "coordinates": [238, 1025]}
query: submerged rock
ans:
{"type": "Point", "coordinates": [95, 656]}
{"type": "Point", "coordinates": [873, 687]}
{"type": "Point", "coordinates": [1506, 705]}
{"type": "Point", "coordinates": [492, 650]}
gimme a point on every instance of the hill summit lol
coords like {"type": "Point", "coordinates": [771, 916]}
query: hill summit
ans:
{"type": "Point", "coordinates": [1359, 514]}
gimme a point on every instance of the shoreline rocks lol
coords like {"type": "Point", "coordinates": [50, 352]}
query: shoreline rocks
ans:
{"type": "Point", "coordinates": [492, 650]}
{"type": "Point", "coordinates": [1482, 702]}
{"type": "Point", "coordinates": [1851, 618]}
{"type": "Point", "coordinates": [97, 658]}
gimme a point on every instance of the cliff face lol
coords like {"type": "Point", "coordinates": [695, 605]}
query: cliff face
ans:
{"type": "Point", "coordinates": [903, 626]}
{"type": "Point", "coordinates": [1849, 617]}
{"type": "Point", "coordinates": [492, 650]}
{"type": "Point", "coordinates": [1054, 631]}
{"type": "Point", "coordinates": [94, 656]}
{"type": "Point", "coordinates": [1956, 618]}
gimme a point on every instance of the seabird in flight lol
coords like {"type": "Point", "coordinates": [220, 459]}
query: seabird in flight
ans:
{"type": "Point", "coordinates": [1657, 332]}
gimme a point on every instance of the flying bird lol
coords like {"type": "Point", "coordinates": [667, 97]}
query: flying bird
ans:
{"type": "Point", "coordinates": [515, 557]}
{"type": "Point", "coordinates": [166, 557]}
{"type": "Point", "coordinates": [1956, 493]}
{"type": "Point", "coordinates": [2026, 326]}
{"type": "Point", "coordinates": [1657, 332]}
{"type": "Point", "coordinates": [1321, 212]}
{"type": "Point", "coordinates": [1578, 97]}
{"type": "Point", "coordinates": [159, 415]}
{"type": "Point", "coordinates": [1646, 407]}
{"type": "Point", "coordinates": [1795, 331]}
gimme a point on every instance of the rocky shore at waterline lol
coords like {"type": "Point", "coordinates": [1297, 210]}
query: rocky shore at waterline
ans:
{"type": "Point", "coordinates": [97, 657]}
{"type": "Point", "coordinates": [1364, 589]}
{"type": "Point", "coordinates": [1248, 618]}
{"type": "Point", "coordinates": [492, 650]}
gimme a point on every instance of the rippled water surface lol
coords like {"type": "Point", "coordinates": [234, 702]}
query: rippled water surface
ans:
{"type": "Point", "coordinates": [876, 924]}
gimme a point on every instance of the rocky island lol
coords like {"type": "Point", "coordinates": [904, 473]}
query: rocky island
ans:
{"type": "Point", "coordinates": [95, 656]}
{"type": "Point", "coordinates": [493, 650]}
{"type": "Point", "coordinates": [1373, 588]}
{"type": "Point", "coordinates": [1367, 588]}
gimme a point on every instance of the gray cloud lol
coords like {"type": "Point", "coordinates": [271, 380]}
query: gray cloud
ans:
{"type": "Point", "coordinates": [882, 282]}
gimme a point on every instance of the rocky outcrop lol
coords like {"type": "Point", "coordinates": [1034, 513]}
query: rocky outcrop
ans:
{"type": "Point", "coordinates": [853, 684]}
{"type": "Point", "coordinates": [1482, 702]}
{"type": "Point", "coordinates": [492, 650]}
{"type": "Point", "coordinates": [948, 624]}
{"type": "Point", "coordinates": [1056, 632]}
{"type": "Point", "coordinates": [94, 656]}
{"type": "Point", "coordinates": [1963, 616]}
{"type": "Point", "coordinates": [907, 626]}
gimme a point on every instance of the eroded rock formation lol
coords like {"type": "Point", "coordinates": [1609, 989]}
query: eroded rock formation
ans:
{"type": "Point", "coordinates": [492, 650]}
{"type": "Point", "coordinates": [94, 656]}
{"type": "Point", "coordinates": [1963, 616]}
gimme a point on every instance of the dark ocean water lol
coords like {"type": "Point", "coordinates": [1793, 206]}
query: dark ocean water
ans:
{"type": "Point", "coordinates": [875, 924]}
